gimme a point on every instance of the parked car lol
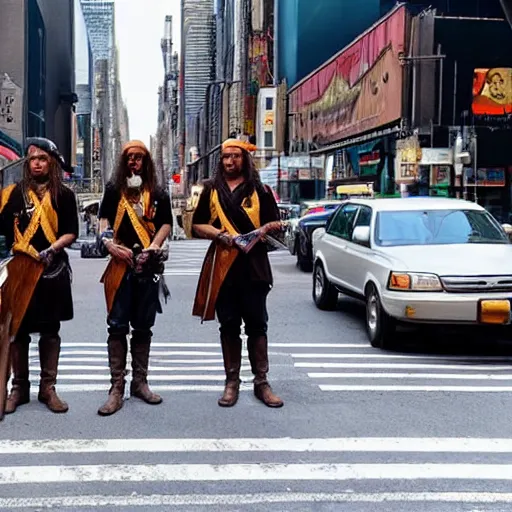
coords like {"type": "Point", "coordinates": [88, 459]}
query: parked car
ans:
{"type": "Point", "coordinates": [292, 233]}
{"type": "Point", "coordinates": [303, 238]}
{"type": "Point", "coordinates": [415, 260]}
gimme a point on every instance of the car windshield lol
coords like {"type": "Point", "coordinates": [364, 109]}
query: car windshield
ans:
{"type": "Point", "coordinates": [436, 227]}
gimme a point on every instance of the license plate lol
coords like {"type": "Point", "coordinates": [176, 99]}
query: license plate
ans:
{"type": "Point", "coordinates": [494, 312]}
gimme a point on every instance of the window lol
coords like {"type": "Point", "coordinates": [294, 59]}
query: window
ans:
{"type": "Point", "coordinates": [436, 227]}
{"type": "Point", "coordinates": [342, 224]}
{"type": "Point", "coordinates": [269, 140]}
{"type": "Point", "coordinates": [365, 216]}
{"type": "Point", "coordinates": [269, 103]}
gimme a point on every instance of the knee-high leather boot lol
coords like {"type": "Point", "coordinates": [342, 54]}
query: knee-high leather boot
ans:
{"type": "Point", "coordinates": [20, 391]}
{"type": "Point", "coordinates": [49, 351]}
{"type": "Point", "coordinates": [258, 356]}
{"type": "Point", "coordinates": [117, 350]}
{"type": "Point", "coordinates": [232, 355]}
{"type": "Point", "coordinates": [140, 347]}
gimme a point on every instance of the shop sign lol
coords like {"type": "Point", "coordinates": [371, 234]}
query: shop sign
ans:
{"type": "Point", "coordinates": [440, 175]}
{"type": "Point", "coordinates": [408, 155]}
{"type": "Point", "coordinates": [304, 174]}
{"type": "Point", "coordinates": [485, 177]}
{"type": "Point", "coordinates": [11, 99]}
{"type": "Point", "coordinates": [436, 156]}
{"type": "Point", "coordinates": [358, 90]}
{"type": "Point", "coordinates": [492, 92]}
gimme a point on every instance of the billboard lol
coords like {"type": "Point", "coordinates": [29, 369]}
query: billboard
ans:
{"type": "Point", "coordinates": [492, 92]}
{"type": "Point", "coordinates": [358, 90]}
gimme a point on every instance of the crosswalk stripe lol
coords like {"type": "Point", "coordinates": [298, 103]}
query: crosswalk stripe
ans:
{"type": "Point", "coordinates": [78, 388]}
{"type": "Point", "coordinates": [104, 359]}
{"type": "Point", "coordinates": [406, 366]}
{"type": "Point", "coordinates": [401, 356]}
{"type": "Point", "coordinates": [157, 344]}
{"type": "Point", "coordinates": [461, 389]}
{"type": "Point", "coordinates": [162, 500]}
{"type": "Point", "coordinates": [152, 369]}
{"type": "Point", "coordinates": [282, 444]}
{"type": "Point", "coordinates": [152, 377]}
{"type": "Point", "coordinates": [154, 353]}
{"type": "Point", "coordinates": [249, 472]}
{"type": "Point", "coordinates": [435, 376]}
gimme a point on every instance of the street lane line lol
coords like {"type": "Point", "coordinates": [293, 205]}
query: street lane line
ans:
{"type": "Point", "coordinates": [78, 388]}
{"type": "Point", "coordinates": [458, 389]}
{"type": "Point", "coordinates": [102, 368]}
{"type": "Point", "coordinates": [166, 378]}
{"type": "Point", "coordinates": [435, 376]}
{"type": "Point", "coordinates": [414, 366]}
{"type": "Point", "coordinates": [402, 356]}
{"type": "Point", "coordinates": [455, 445]}
{"type": "Point", "coordinates": [162, 500]}
{"type": "Point", "coordinates": [154, 353]}
{"type": "Point", "coordinates": [249, 472]}
{"type": "Point", "coordinates": [217, 344]}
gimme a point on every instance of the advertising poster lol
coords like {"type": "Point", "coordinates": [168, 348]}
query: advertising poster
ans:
{"type": "Point", "coordinates": [492, 92]}
{"type": "Point", "coordinates": [358, 90]}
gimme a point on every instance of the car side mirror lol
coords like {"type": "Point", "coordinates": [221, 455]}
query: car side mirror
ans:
{"type": "Point", "coordinates": [361, 235]}
{"type": "Point", "coordinates": [508, 230]}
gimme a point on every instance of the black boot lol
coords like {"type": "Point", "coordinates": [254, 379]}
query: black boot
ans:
{"type": "Point", "coordinates": [140, 347]}
{"type": "Point", "coordinates": [258, 356]}
{"type": "Point", "coordinates": [232, 355]}
{"type": "Point", "coordinates": [20, 391]}
{"type": "Point", "coordinates": [49, 351]}
{"type": "Point", "coordinates": [117, 350]}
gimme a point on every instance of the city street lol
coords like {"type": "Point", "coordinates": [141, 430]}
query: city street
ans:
{"type": "Point", "coordinates": [426, 428]}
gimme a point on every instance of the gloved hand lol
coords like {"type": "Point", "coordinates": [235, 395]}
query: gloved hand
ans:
{"type": "Point", "coordinates": [47, 256]}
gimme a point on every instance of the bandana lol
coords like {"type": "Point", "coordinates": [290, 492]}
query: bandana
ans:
{"type": "Point", "coordinates": [240, 144]}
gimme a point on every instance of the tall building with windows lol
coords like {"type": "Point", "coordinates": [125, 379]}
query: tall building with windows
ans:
{"type": "Point", "coordinates": [99, 17]}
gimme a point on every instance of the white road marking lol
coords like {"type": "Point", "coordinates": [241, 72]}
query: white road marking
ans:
{"type": "Point", "coordinates": [250, 472]}
{"type": "Point", "coordinates": [407, 366]}
{"type": "Point", "coordinates": [161, 378]}
{"type": "Point", "coordinates": [155, 359]}
{"type": "Point", "coordinates": [152, 369]}
{"type": "Point", "coordinates": [162, 500]}
{"type": "Point", "coordinates": [402, 356]}
{"type": "Point", "coordinates": [283, 444]}
{"type": "Point", "coordinates": [154, 353]}
{"type": "Point", "coordinates": [434, 376]}
{"type": "Point", "coordinates": [78, 388]}
{"type": "Point", "coordinates": [158, 344]}
{"type": "Point", "coordinates": [458, 389]}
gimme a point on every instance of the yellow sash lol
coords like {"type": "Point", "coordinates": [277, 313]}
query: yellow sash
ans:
{"type": "Point", "coordinates": [252, 208]}
{"type": "Point", "coordinates": [45, 216]}
{"type": "Point", "coordinates": [145, 230]}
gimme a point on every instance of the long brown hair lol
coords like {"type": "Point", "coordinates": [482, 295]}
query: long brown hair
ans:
{"type": "Point", "coordinates": [148, 174]}
{"type": "Point", "coordinates": [249, 171]}
{"type": "Point", "coordinates": [54, 186]}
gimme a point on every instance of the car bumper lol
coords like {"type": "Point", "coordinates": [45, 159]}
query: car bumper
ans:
{"type": "Point", "coordinates": [453, 308]}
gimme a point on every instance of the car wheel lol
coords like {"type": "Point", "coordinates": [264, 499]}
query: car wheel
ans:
{"type": "Point", "coordinates": [380, 327]}
{"type": "Point", "coordinates": [302, 261]}
{"type": "Point", "coordinates": [325, 294]}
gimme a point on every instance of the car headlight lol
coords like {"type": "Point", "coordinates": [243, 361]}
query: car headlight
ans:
{"type": "Point", "coordinates": [414, 281]}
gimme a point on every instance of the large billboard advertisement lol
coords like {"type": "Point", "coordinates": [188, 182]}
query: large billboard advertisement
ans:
{"type": "Point", "coordinates": [358, 90]}
{"type": "Point", "coordinates": [492, 92]}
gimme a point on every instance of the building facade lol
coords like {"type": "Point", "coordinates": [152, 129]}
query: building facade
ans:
{"type": "Point", "coordinates": [99, 17]}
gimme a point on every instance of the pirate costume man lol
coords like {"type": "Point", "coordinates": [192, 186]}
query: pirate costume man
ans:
{"type": "Point", "coordinates": [39, 219]}
{"type": "Point", "coordinates": [140, 217]}
{"type": "Point", "coordinates": [232, 283]}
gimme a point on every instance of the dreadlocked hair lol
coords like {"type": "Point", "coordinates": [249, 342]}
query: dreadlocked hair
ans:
{"type": "Point", "coordinates": [54, 186]}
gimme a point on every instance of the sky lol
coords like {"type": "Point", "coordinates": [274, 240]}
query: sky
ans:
{"type": "Point", "coordinates": [139, 30]}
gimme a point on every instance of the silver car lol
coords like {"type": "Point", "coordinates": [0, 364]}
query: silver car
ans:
{"type": "Point", "coordinates": [416, 260]}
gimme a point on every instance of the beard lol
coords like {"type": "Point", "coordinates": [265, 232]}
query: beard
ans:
{"type": "Point", "coordinates": [134, 182]}
{"type": "Point", "coordinates": [40, 179]}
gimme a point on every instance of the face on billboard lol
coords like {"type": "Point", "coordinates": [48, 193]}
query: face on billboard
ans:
{"type": "Point", "coordinates": [492, 91]}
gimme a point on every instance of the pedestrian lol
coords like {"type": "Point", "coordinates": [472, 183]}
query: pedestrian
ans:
{"type": "Point", "coordinates": [39, 219]}
{"type": "Point", "coordinates": [135, 222]}
{"type": "Point", "coordinates": [234, 284]}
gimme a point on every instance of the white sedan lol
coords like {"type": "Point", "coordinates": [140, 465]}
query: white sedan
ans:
{"type": "Point", "coordinates": [416, 260]}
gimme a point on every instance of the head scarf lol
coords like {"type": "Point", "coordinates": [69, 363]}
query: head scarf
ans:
{"type": "Point", "coordinates": [135, 144]}
{"type": "Point", "coordinates": [240, 144]}
{"type": "Point", "coordinates": [49, 147]}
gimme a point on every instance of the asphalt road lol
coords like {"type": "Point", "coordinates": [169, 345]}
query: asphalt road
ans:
{"type": "Point", "coordinates": [425, 427]}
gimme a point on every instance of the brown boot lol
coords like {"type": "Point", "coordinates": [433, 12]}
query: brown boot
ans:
{"type": "Point", "coordinates": [140, 346]}
{"type": "Point", "coordinates": [117, 350]}
{"type": "Point", "coordinates": [49, 350]}
{"type": "Point", "coordinates": [232, 355]}
{"type": "Point", "coordinates": [20, 391]}
{"type": "Point", "coordinates": [258, 355]}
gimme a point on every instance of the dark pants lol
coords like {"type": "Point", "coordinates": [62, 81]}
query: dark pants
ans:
{"type": "Point", "coordinates": [243, 300]}
{"type": "Point", "coordinates": [136, 304]}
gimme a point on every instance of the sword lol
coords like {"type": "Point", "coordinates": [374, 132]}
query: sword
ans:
{"type": "Point", "coordinates": [210, 283]}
